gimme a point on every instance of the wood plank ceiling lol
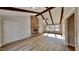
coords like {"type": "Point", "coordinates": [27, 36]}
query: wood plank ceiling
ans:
{"type": "Point", "coordinates": [41, 13]}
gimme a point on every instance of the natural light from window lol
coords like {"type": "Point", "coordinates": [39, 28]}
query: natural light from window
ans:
{"type": "Point", "coordinates": [53, 35]}
{"type": "Point", "coordinates": [55, 27]}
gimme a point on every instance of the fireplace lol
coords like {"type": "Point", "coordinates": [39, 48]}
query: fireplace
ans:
{"type": "Point", "coordinates": [34, 25]}
{"type": "Point", "coordinates": [35, 31]}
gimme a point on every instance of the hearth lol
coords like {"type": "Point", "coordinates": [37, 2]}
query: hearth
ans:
{"type": "Point", "coordinates": [35, 31]}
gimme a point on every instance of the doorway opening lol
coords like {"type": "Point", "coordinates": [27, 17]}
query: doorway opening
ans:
{"type": "Point", "coordinates": [71, 31]}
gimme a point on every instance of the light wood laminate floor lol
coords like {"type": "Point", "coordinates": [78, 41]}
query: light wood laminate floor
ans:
{"type": "Point", "coordinates": [37, 43]}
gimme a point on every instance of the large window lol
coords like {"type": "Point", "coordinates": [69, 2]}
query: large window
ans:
{"type": "Point", "coordinates": [55, 27]}
{"type": "Point", "coordinates": [50, 28]}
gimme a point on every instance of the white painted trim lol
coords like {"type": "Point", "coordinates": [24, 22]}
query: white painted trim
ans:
{"type": "Point", "coordinates": [66, 32]}
{"type": "Point", "coordinates": [76, 39]}
{"type": "Point", "coordinates": [2, 32]}
{"type": "Point", "coordinates": [75, 29]}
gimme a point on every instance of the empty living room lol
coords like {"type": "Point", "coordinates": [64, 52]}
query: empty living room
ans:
{"type": "Point", "coordinates": [39, 29]}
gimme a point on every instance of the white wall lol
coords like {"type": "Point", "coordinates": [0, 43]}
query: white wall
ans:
{"type": "Point", "coordinates": [77, 27]}
{"type": "Point", "coordinates": [16, 28]}
{"type": "Point", "coordinates": [67, 12]}
{"type": "Point", "coordinates": [0, 30]}
{"type": "Point", "coordinates": [41, 25]}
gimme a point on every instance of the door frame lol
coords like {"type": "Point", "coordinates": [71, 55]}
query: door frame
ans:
{"type": "Point", "coordinates": [66, 28]}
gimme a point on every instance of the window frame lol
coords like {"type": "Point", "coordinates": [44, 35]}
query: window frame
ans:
{"type": "Point", "coordinates": [54, 30]}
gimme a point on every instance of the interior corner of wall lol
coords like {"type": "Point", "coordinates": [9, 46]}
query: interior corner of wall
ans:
{"type": "Point", "coordinates": [66, 43]}
{"type": "Point", "coordinates": [0, 45]}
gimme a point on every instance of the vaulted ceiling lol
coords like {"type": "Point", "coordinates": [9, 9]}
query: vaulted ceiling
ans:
{"type": "Point", "coordinates": [49, 15]}
{"type": "Point", "coordinates": [37, 9]}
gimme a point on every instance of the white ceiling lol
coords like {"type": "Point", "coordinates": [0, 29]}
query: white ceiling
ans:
{"type": "Point", "coordinates": [56, 13]}
{"type": "Point", "coordinates": [46, 15]}
{"type": "Point", "coordinates": [8, 12]}
{"type": "Point", "coordinates": [37, 9]}
{"type": "Point", "coordinates": [14, 13]}
{"type": "Point", "coordinates": [41, 20]}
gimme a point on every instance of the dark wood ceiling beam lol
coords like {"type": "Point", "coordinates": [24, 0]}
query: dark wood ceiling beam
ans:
{"type": "Point", "coordinates": [61, 17]}
{"type": "Point", "coordinates": [17, 9]}
{"type": "Point", "coordinates": [51, 16]}
{"type": "Point", "coordinates": [44, 19]}
{"type": "Point", "coordinates": [44, 11]}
